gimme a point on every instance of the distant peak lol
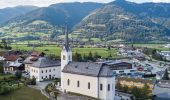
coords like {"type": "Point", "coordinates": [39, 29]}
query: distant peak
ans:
{"type": "Point", "coordinates": [120, 1]}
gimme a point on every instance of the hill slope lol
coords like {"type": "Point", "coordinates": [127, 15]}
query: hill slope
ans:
{"type": "Point", "coordinates": [128, 21]}
{"type": "Point", "coordinates": [8, 13]}
{"type": "Point", "coordinates": [47, 21]}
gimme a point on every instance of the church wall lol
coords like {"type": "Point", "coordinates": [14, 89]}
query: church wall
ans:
{"type": "Point", "coordinates": [83, 85]}
{"type": "Point", "coordinates": [104, 94]}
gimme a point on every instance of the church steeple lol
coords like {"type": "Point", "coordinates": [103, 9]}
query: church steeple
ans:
{"type": "Point", "coordinates": [67, 47]}
{"type": "Point", "coordinates": [66, 44]}
{"type": "Point", "coordinates": [66, 54]}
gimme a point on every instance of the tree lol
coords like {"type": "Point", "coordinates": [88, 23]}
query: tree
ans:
{"type": "Point", "coordinates": [145, 91]}
{"type": "Point", "coordinates": [166, 75]}
{"type": "Point", "coordinates": [109, 48]}
{"type": "Point", "coordinates": [18, 74]}
{"type": "Point", "coordinates": [125, 88]}
{"type": "Point", "coordinates": [96, 56]}
{"type": "Point", "coordinates": [33, 81]}
{"type": "Point", "coordinates": [90, 56]}
{"type": "Point", "coordinates": [4, 43]}
{"type": "Point", "coordinates": [119, 86]}
{"type": "Point", "coordinates": [4, 88]}
{"type": "Point", "coordinates": [137, 93]}
{"type": "Point", "coordinates": [1, 67]}
{"type": "Point", "coordinates": [77, 57]}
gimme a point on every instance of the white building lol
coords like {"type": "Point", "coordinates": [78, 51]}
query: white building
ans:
{"type": "Point", "coordinates": [45, 69]}
{"type": "Point", "coordinates": [120, 67]}
{"type": "Point", "coordinates": [30, 60]}
{"type": "Point", "coordinates": [89, 79]}
{"type": "Point", "coordinates": [124, 96]}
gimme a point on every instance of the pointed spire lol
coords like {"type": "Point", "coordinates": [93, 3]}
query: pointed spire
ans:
{"type": "Point", "coordinates": [66, 37]}
{"type": "Point", "coordinates": [166, 75]}
{"type": "Point", "coordinates": [66, 44]}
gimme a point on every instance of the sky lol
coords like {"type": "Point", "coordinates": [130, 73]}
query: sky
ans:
{"type": "Point", "coordinates": [44, 3]}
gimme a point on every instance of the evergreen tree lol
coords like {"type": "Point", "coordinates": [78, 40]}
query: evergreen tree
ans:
{"type": "Point", "coordinates": [96, 56]}
{"type": "Point", "coordinates": [1, 67]}
{"type": "Point", "coordinates": [18, 74]}
{"type": "Point", "coordinates": [77, 57]}
{"type": "Point", "coordinates": [166, 75]}
{"type": "Point", "coordinates": [90, 56]}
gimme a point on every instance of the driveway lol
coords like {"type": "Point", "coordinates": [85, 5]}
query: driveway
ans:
{"type": "Point", "coordinates": [41, 85]}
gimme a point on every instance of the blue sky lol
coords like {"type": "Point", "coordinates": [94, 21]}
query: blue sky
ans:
{"type": "Point", "coordinates": [42, 3]}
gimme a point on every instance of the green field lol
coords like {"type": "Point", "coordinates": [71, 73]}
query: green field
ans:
{"type": "Point", "coordinates": [52, 49]}
{"type": "Point", "coordinates": [155, 46]}
{"type": "Point", "coordinates": [24, 93]}
{"type": "Point", "coordinates": [5, 76]}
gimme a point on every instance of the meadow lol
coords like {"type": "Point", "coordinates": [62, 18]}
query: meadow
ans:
{"type": "Point", "coordinates": [24, 93]}
{"type": "Point", "coordinates": [155, 46]}
{"type": "Point", "coordinates": [54, 50]}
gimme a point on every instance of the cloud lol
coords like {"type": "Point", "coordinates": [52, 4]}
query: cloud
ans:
{"type": "Point", "coordinates": [161, 0]}
{"type": "Point", "coordinates": [42, 3]}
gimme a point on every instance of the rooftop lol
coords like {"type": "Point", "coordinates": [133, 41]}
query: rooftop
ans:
{"type": "Point", "coordinates": [88, 69]}
{"type": "Point", "coordinates": [44, 62]}
{"type": "Point", "coordinates": [162, 90]}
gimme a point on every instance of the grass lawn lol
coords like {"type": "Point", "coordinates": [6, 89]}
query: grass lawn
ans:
{"type": "Point", "coordinates": [5, 76]}
{"type": "Point", "coordinates": [52, 49]}
{"type": "Point", "coordinates": [24, 93]}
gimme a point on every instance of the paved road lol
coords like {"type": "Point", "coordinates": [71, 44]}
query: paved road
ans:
{"type": "Point", "coordinates": [41, 85]}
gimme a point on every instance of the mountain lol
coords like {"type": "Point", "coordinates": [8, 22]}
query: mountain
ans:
{"type": "Point", "coordinates": [11, 12]}
{"type": "Point", "coordinates": [128, 21]}
{"type": "Point", "coordinates": [57, 14]}
{"type": "Point", "coordinates": [47, 21]}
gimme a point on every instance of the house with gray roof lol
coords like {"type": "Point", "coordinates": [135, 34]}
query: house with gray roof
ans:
{"type": "Point", "coordinates": [161, 90]}
{"type": "Point", "coordinates": [45, 69]}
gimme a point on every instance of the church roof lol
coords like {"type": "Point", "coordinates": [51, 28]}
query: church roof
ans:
{"type": "Point", "coordinates": [88, 69]}
{"type": "Point", "coordinates": [44, 62]}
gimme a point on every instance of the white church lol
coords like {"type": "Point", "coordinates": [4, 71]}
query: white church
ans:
{"type": "Point", "coordinates": [86, 78]}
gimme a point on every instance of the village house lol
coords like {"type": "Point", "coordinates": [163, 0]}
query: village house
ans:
{"type": "Point", "coordinates": [161, 90]}
{"type": "Point", "coordinates": [123, 96]}
{"type": "Point", "coordinates": [45, 69]}
{"type": "Point", "coordinates": [30, 60]}
{"type": "Point", "coordinates": [86, 78]}
{"type": "Point", "coordinates": [12, 63]}
{"type": "Point", "coordinates": [120, 67]}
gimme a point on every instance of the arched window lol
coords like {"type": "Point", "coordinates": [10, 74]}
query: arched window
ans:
{"type": "Point", "coordinates": [78, 83]}
{"type": "Point", "coordinates": [108, 87]}
{"type": "Point", "coordinates": [64, 57]}
{"type": "Point", "coordinates": [68, 82]}
{"type": "Point", "coordinates": [101, 87]}
{"type": "Point", "coordinates": [89, 85]}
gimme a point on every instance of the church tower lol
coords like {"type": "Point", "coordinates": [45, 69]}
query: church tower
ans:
{"type": "Point", "coordinates": [66, 55]}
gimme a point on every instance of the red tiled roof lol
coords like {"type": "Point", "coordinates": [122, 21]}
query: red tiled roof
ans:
{"type": "Point", "coordinates": [11, 57]}
{"type": "Point", "coordinates": [35, 54]}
